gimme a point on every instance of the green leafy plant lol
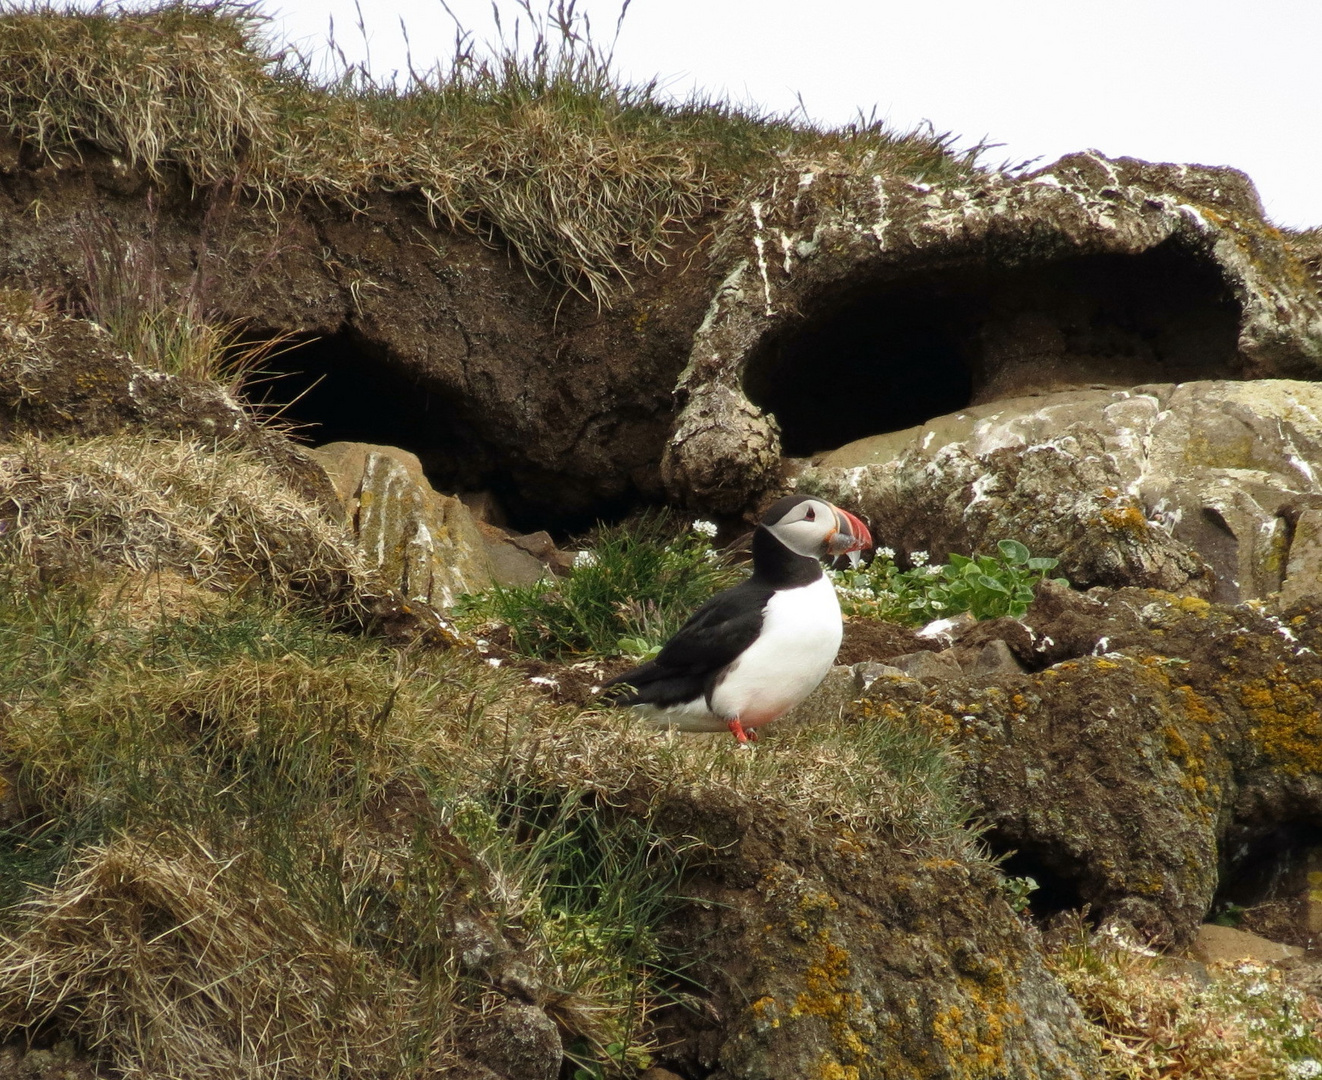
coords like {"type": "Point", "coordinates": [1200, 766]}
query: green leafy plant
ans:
{"type": "Point", "coordinates": [629, 592]}
{"type": "Point", "coordinates": [1019, 891]}
{"type": "Point", "coordinates": [986, 586]}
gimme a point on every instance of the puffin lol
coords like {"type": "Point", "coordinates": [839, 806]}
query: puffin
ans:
{"type": "Point", "coordinates": [753, 652]}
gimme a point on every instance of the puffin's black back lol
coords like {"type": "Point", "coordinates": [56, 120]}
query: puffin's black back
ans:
{"type": "Point", "coordinates": [722, 628]}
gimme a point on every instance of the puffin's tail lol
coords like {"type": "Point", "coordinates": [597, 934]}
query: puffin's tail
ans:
{"type": "Point", "coordinates": [627, 689]}
{"type": "Point", "coordinates": [652, 684]}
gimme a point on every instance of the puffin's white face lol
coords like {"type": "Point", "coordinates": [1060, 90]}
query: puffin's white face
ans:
{"type": "Point", "coordinates": [815, 528]}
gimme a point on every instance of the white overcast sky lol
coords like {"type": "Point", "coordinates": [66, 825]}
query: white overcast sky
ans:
{"type": "Point", "coordinates": [1209, 81]}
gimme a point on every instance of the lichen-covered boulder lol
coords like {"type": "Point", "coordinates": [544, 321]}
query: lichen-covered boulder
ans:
{"type": "Point", "coordinates": [1153, 741]}
{"type": "Point", "coordinates": [423, 543]}
{"type": "Point", "coordinates": [1208, 488]}
{"type": "Point", "coordinates": [1043, 266]}
{"type": "Point", "coordinates": [836, 953]}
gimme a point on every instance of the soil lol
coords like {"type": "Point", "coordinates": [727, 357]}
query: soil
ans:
{"type": "Point", "coordinates": [871, 639]}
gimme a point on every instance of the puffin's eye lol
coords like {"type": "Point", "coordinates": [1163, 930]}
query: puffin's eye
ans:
{"type": "Point", "coordinates": [811, 515]}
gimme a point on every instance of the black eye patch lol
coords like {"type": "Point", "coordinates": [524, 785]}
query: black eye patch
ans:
{"type": "Point", "coordinates": [811, 515]}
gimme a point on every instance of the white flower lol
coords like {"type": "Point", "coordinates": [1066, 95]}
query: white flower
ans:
{"type": "Point", "coordinates": [584, 559]}
{"type": "Point", "coordinates": [885, 553]}
{"type": "Point", "coordinates": [705, 528]}
{"type": "Point", "coordinates": [919, 558]}
{"type": "Point", "coordinates": [1306, 1069]}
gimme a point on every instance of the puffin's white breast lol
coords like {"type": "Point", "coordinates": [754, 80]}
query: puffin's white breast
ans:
{"type": "Point", "coordinates": [801, 631]}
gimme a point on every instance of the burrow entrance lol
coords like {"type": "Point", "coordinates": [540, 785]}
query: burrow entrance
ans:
{"type": "Point", "coordinates": [1266, 885]}
{"type": "Point", "coordinates": [338, 388]}
{"type": "Point", "coordinates": [883, 356]}
{"type": "Point", "coordinates": [341, 388]}
{"type": "Point", "coordinates": [1051, 891]}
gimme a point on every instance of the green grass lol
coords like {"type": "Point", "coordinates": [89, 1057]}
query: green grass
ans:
{"type": "Point", "coordinates": [586, 177]}
{"type": "Point", "coordinates": [235, 795]}
{"type": "Point", "coordinates": [252, 737]}
{"type": "Point", "coordinates": [246, 766]}
{"type": "Point", "coordinates": [633, 587]}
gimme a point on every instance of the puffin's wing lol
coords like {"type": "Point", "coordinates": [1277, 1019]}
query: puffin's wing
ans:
{"type": "Point", "coordinates": [711, 639]}
{"type": "Point", "coordinates": [718, 631]}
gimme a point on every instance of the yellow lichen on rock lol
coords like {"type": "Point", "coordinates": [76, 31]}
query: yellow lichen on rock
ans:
{"type": "Point", "coordinates": [1287, 726]}
{"type": "Point", "coordinates": [1126, 519]}
{"type": "Point", "coordinates": [975, 1033]}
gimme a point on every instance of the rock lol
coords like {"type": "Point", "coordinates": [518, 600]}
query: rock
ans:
{"type": "Point", "coordinates": [423, 543]}
{"type": "Point", "coordinates": [1138, 769]}
{"type": "Point", "coordinates": [510, 564]}
{"type": "Point", "coordinates": [928, 665]}
{"type": "Point", "coordinates": [539, 544]}
{"type": "Point", "coordinates": [853, 956]}
{"type": "Point", "coordinates": [485, 507]}
{"type": "Point", "coordinates": [824, 704]}
{"type": "Point", "coordinates": [993, 658]}
{"type": "Point", "coordinates": [944, 631]}
{"type": "Point", "coordinates": [1224, 945]}
{"type": "Point", "coordinates": [1091, 271]}
{"type": "Point", "coordinates": [518, 1041]}
{"type": "Point", "coordinates": [1202, 487]}
{"type": "Point", "coordinates": [523, 559]}
{"type": "Point", "coordinates": [542, 548]}
{"type": "Point", "coordinates": [1303, 566]}
{"type": "Point", "coordinates": [868, 672]}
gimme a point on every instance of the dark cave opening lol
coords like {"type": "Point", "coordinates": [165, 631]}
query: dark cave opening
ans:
{"type": "Point", "coordinates": [1269, 866]}
{"type": "Point", "coordinates": [1055, 891]}
{"type": "Point", "coordinates": [335, 388]}
{"type": "Point", "coordinates": [339, 388]}
{"type": "Point", "coordinates": [887, 355]}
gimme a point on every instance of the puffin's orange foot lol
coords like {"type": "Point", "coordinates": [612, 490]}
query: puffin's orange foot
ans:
{"type": "Point", "coordinates": [739, 733]}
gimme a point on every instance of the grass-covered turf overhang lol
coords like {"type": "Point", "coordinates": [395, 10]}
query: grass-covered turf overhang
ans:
{"type": "Point", "coordinates": [587, 177]}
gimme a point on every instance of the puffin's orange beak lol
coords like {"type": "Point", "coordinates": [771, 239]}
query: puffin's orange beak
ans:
{"type": "Point", "coordinates": [850, 534]}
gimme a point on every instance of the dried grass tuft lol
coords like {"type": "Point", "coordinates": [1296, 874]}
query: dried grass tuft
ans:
{"type": "Point", "coordinates": [880, 775]}
{"type": "Point", "coordinates": [128, 293]}
{"type": "Point", "coordinates": [170, 959]}
{"type": "Point", "coordinates": [1155, 1021]}
{"type": "Point", "coordinates": [178, 87]}
{"type": "Point", "coordinates": [141, 601]}
{"type": "Point", "coordinates": [221, 516]}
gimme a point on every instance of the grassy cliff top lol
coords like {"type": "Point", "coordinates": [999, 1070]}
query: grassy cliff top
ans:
{"type": "Point", "coordinates": [585, 175]}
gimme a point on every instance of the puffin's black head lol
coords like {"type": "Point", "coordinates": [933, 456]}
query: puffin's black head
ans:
{"type": "Point", "coordinates": [811, 526]}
